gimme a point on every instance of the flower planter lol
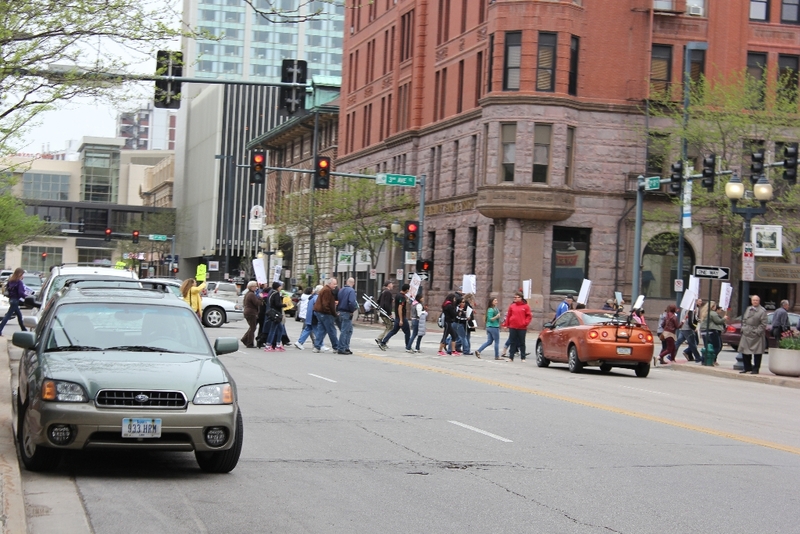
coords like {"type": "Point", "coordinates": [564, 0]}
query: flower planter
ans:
{"type": "Point", "coordinates": [784, 362]}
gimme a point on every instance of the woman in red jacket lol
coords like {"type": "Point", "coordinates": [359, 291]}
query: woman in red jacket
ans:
{"type": "Point", "coordinates": [671, 326]}
{"type": "Point", "coordinates": [517, 320]}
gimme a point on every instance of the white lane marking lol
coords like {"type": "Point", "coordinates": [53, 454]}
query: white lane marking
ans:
{"type": "Point", "coordinates": [321, 377]}
{"type": "Point", "coordinates": [646, 391]}
{"type": "Point", "coordinates": [479, 431]}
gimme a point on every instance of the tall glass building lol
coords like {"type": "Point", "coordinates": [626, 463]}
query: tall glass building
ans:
{"type": "Point", "coordinates": [251, 47]}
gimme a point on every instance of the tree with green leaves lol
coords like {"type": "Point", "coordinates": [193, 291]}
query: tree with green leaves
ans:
{"type": "Point", "coordinates": [732, 117]}
{"type": "Point", "coordinates": [16, 226]}
{"type": "Point", "coordinates": [56, 50]}
{"type": "Point", "coordinates": [356, 211]}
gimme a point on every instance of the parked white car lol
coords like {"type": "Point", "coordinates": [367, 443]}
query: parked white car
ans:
{"type": "Point", "coordinates": [216, 312]}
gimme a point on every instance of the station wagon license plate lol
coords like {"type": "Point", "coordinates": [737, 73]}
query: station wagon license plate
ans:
{"type": "Point", "coordinates": [624, 350]}
{"type": "Point", "coordinates": [141, 428]}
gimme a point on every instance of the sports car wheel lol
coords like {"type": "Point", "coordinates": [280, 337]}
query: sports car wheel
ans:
{"type": "Point", "coordinates": [541, 361]}
{"type": "Point", "coordinates": [34, 457]}
{"type": "Point", "coordinates": [575, 365]}
{"type": "Point", "coordinates": [642, 369]}
{"type": "Point", "coordinates": [605, 368]}
{"type": "Point", "coordinates": [223, 461]}
{"type": "Point", "coordinates": [213, 317]}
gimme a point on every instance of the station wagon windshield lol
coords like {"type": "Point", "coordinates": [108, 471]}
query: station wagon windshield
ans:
{"type": "Point", "coordinates": [126, 327]}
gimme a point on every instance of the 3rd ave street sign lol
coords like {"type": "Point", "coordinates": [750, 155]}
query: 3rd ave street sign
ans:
{"type": "Point", "coordinates": [709, 271]}
{"type": "Point", "coordinates": [403, 180]}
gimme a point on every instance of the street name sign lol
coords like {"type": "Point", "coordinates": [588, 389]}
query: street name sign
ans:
{"type": "Point", "coordinates": [157, 237]}
{"type": "Point", "coordinates": [713, 272]}
{"type": "Point", "coordinates": [403, 180]}
{"type": "Point", "coordinates": [653, 183]}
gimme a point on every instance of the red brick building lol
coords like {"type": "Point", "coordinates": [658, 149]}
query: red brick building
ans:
{"type": "Point", "coordinates": [528, 119]}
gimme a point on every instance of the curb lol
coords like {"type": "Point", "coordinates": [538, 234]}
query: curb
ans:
{"type": "Point", "coordinates": [12, 515]}
{"type": "Point", "coordinates": [735, 375]}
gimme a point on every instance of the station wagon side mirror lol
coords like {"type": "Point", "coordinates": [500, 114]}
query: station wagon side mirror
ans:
{"type": "Point", "coordinates": [30, 321]}
{"type": "Point", "coordinates": [24, 340]}
{"type": "Point", "coordinates": [226, 345]}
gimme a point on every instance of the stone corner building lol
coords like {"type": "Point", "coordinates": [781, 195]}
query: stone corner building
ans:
{"type": "Point", "coordinates": [528, 119]}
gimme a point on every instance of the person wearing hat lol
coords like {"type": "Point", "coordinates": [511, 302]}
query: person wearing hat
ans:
{"type": "Point", "coordinates": [565, 305]}
{"type": "Point", "coordinates": [609, 305]}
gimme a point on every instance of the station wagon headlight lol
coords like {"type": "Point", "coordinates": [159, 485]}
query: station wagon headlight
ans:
{"type": "Point", "coordinates": [214, 394]}
{"type": "Point", "coordinates": [60, 391]}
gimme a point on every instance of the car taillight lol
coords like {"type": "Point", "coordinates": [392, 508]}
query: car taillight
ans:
{"type": "Point", "coordinates": [593, 334]}
{"type": "Point", "coordinates": [730, 329]}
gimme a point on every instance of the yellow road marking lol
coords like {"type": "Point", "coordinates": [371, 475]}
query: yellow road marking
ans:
{"type": "Point", "coordinates": [589, 404]}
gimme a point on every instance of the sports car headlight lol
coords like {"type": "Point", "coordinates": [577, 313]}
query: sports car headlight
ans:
{"type": "Point", "coordinates": [60, 391]}
{"type": "Point", "coordinates": [215, 394]}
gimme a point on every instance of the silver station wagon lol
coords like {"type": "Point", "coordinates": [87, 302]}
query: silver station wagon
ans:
{"type": "Point", "coordinates": [124, 368]}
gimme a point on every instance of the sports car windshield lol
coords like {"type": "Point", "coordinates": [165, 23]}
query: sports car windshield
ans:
{"type": "Point", "coordinates": [603, 317]}
{"type": "Point", "coordinates": [125, 327]}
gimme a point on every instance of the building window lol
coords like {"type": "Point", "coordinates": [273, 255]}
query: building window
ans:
{"type": "Point", "coordinates": [660, 266]}
{"type": "Point", "coordinates": [100, 175]}
{"type": "Point", "coordinates": [570, 157]}
{"type": "Point", "coordinates": [697, 65]}
{"type": "Point", "coordinates": [660, 70]}
{"type": "Point", "coordinates": [541, 152]}
{"type": "Point", "coordinates": [460, 95]}
{"type": "Point", "coordinates": [32, 260]}
{"type": "Point", "coordinates": [574, 48]}
{"type": "Point", "coordinates": [431, 242]}
{"type": "Point", "coordinates": [546, 66]}
{"type": "Point", "coordinates": [490, 65]}
{"type": "Point", "coordinates": [759, 9]}
{"type": "Point", "coordinates": [406, 35]}
{"type": "Point", "coordinates": [508, 140]}
{"type": "Point", "coordinates": [472, 248]}
{"type": "Point", "coordinates": [451, 252]}
{"type": "Point", "coordinates": [443, 30]}
{"type": "Point", "coordinates": [570, 260]}
{"type": "Point", "coordinates": [657, 150]}
{"type": "Point", "coordinates": [478, 76]}
{"type": "Point", "coordinates": [513, 58]}
{"type": "Point", "coordinates": [756, 64]}
{"type": "Point", "coordinates": [45, 186]}
{"type": "Point", "coordinates": [787, 76]}
{"type": "Point", "coordinates": [790, 11]}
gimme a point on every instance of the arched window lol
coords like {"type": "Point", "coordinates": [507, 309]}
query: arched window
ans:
{"type": "Point", "coordinates": [660, 266]}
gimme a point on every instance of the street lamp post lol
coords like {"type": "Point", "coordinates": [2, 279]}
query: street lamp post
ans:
{"type": "Point", "coordinates": [734, 190]}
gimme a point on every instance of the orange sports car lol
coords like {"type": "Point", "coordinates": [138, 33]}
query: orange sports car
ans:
{"type": "Point", "coordinates": [596, 337]}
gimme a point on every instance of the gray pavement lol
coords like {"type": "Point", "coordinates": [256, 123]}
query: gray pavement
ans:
{"type": "Point", "coordinates": [13, 498]}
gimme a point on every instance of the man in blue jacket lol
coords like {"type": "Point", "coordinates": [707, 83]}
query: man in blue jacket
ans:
{"type": "Point", "coordinates": [345, 308]}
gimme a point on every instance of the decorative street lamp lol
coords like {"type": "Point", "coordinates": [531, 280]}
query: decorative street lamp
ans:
{"type": "Point", "coordinates": [735, 192]}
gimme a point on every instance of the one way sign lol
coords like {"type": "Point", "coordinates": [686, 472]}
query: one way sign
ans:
{"type": "Point", "coordinates": [709, 271]}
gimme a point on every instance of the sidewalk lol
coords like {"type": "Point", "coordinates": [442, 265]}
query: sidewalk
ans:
{"type": "Point", "coordinates": [12, 505]}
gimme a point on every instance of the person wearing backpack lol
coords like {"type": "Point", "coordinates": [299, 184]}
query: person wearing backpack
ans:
{"type": "Point", "coordinates": [274, 315]}
{"type": "Point", "coordinates": [16, 294]}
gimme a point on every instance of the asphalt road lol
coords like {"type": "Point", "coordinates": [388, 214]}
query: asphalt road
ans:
{"type": "Point", "coordinates": [391, 442]}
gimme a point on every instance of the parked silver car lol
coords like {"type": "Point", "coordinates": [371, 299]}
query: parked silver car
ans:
{"type": "Point", "coordinates": [124, 369]}
{"type": "Point", "coordinates": [216, 311]}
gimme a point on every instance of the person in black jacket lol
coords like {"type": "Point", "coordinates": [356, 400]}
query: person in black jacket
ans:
{"type": "Point", "coordinates": [449, 311]}
{"type": "Point", "coordinates": [274, 314]}
{"type": "Point", "coordinates": [385, 301]}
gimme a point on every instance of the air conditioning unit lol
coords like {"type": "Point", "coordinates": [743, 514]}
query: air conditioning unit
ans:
{"type": "Point", "coordinates": [696, 11]}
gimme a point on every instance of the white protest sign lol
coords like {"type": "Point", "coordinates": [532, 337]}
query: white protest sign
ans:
{"type": "Point", "coordinates": [694, 284]}
{"type": "Point", "coordinates": [414, 286]}
{"type": "Point", "coordinates": [583, 296]}
{"type": "Point", "coordinates": [689, 300]}
{"type": "Point", "coordinates": [261, 273]}
{"type": "Point", "coordinates": [725, 292]}
{"type": "Point", "coordinates": [469, 284]}
{"type": "Point", "coordinates": [276, 276]}
{"type": "Point", "coordinates": [526, 289]}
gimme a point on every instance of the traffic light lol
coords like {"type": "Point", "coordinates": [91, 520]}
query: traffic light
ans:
{"type": "Point", "coordinates": [108, 234]}
{"type": "Point", "coordinates": [790, 163]}
{"type": "Point", "coordinates": [322, 172]}
{"type": "Point", "coordinates": [168, 94]}
{"type": "Point", "coordinates": [424, 266]}
{"type": "Point", "coordinates": [135, 237]}
{"type": "Point", "coordinates": [410, 234]}
{"type": "Point", "coordinates": [293, 99]}
{"type": "Point", "coordinates": [756, 165]}
{"type": "Point", "coordinates": [258, 168]}
{"type": "Point", "coordinates": [709, 172]}
{"type": "Point", "coordinates": [44, 256]}
{"type": "Point", "coordinates": [175, 270]}
{"type": "Point", "coordinates": [81, 226]}
{"type": "Point", "coordinates": [676, 179]}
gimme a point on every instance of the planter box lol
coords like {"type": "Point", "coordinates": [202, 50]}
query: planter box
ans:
{"type": "Point", "coordinates": [784, 362]}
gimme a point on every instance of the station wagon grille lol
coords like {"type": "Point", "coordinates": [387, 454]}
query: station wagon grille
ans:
{"type": "Point", "coordinates": [124, 398]}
